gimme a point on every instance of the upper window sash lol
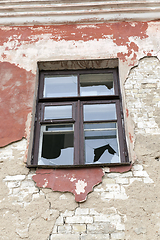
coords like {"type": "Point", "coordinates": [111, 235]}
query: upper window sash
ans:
{"type": "Point", "coordinates": [73, 84]}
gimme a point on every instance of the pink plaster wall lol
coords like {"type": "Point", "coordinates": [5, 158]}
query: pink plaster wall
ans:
{"type": "Point", "coordinates": [16, 97]}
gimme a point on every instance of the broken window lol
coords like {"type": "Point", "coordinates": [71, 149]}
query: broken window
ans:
{"type": "Point", "coordinates": [79, 119]}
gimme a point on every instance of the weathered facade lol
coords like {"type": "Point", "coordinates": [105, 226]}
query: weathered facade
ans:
{"type": "Point", "coordinates": [121, 202]}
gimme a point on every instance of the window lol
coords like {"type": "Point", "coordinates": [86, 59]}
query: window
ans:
{"type": "Point", "coordinates": [79, 119]}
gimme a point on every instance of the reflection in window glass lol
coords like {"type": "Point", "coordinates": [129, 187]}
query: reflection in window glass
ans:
{"type": "Point", "coordinates": [96, 84]}
{"type": "Point", "coordinates": [58, 112]}
{"type": "Point", "coordinates": [56, 147]}
{"type": "Point", "coordinates": [60, 86]}
{"type": "Point", "coordinates": [99, 112]}
{"type": "Point", "coordinates": [101, 143]}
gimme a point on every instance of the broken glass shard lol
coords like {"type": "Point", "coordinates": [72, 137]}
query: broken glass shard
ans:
{"type": "Point", "coordinates": [100, 150]}
{"type": "Point", "coordinates": [56, 145]}
{"type": "Point", "coordinates": [96, 84]}
{"type": "Point", "coordinates": [101, 143]}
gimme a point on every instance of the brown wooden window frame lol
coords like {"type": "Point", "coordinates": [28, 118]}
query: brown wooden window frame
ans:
{"type": "Point", "coordinates": [77, 103]}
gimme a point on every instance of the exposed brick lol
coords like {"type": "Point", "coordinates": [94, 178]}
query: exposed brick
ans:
{"type": "Point", "coordinates": [100, 228]}
{"type": "Point", "coordinates": [122, 196]}
{"type": "Point", "coordinates": [109, 181]}
{"type": "Point", "coordinates": [79, 219]}
{"type": "Point", "coordinates": [140, 174]}
{"type": "Point", "coordinates": [120, 227]}
{"type": "Point", "coordinates": [127, 174]}
{"type": "Point", "coordinates": [115, 219]}
{"type": "Point", "coordinates": [145, 78]}
{"type": "Point", "coordinates": [135, 179]}
{"type": "Point", "coordinates": [65, 237]}
{"type": "Point", "coordinates": [79, 228]}
{"type": "Point", "coordinates": [137, 167]}
{"type": "Point", "coordinates": [95, 237]}
{"type": "Point", "coordinates": [107, 195]}
{"type": "Point", "coordinates": [64, 229]}
{"type": "Point", "coordinates": [101, 218]}
{"type": "Point", "coordinates": [14, 178]}
{"type": "Point", "coordinates": [148, 180]}
{"type": "Point", "coordinates": [82, 211]}
{"type": "Point", "coordinates": [14, 184]}
{"type": "Point", "coordinates": [68, 213]}
{"type": "Point", "coordinates": [118, 235]}
{"type": "Point", "coordinates": [113, 188]}
{"type": "Point", "coordinates": [93, 212]}
{"type": "Point", "coordinates": [26, 184]}
{"type": "Point", "coordinates": [59, 221]}
{"type": "Point", "coordinates": [55, 229]}
{"type": "Point", "coordinates": [140, 230]}
{"type": "Point", "coordinates": [113, 175]}
{"type": "Point", "coordinates": [149, 85]}
{"type": "Point", "coordinates": [122, 181]}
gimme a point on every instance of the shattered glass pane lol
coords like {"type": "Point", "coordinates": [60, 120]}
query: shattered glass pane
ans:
{"type": "Point", "coordinates": [101, 143]}
{"type": "Point", "coordinates": [99, 112]}
{"type": "Point", "coordinates": [56, 145]}
{"type": "Point", "coordinates": [60, 86]}
{"type": "Point", "coordinates": [58, 112]}
{"type": "Point", "coordinates": [96, 84]}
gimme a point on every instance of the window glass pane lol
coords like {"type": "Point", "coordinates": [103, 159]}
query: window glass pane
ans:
{"type": "Point", "coordinates": [101, 143]}
{"type": "Point", "coordinates": [56, 147]}
{"type": "Point", "coordinates": [60, 86]}
{"type": "Point", "coordinates": [96, 84]}
{"type": "Point", "coordinates": [59, 128]}
{"type": "Point", "coordinates": [99, 112]}
{"type": "Point", "coordinates": [58, 112]}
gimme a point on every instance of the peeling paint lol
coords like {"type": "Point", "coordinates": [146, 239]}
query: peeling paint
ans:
{"type": "Point", "coordinates": [46, 182]}
{"type": "Point", "coordinates": [80, 186]}
{"type": "Point", "coordinates": [73, 179]}
{"type": "Point", "coordinates": [127, 113]}
{"type": "Point", "coordinates": [120, 33]}
{"type": "Point", "coordinates": [17, 87]}
{"type": "Point", "coordinates": [130, 138]}
{"type": "Point", "coordinates": [62, 180]}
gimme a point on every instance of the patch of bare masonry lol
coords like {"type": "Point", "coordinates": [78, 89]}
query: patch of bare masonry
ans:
{"type": "Point", "coordinates": [30, 207]}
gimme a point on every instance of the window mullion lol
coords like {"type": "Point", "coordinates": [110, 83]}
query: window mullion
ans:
{"type": "Point", "coordinates": [76, 135]}
{"type": "Point", "coordinates": [79, 146]}
{"type": "Point", "coordinates": [81, 136]}
{"type": "Point", "coordinates": [116, 85]}
{"type": "Point", "coordinates": [78, 85]}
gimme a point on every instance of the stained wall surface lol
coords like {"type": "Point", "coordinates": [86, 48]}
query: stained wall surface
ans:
{"type": "Point", "coordinates": [125, 205]}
